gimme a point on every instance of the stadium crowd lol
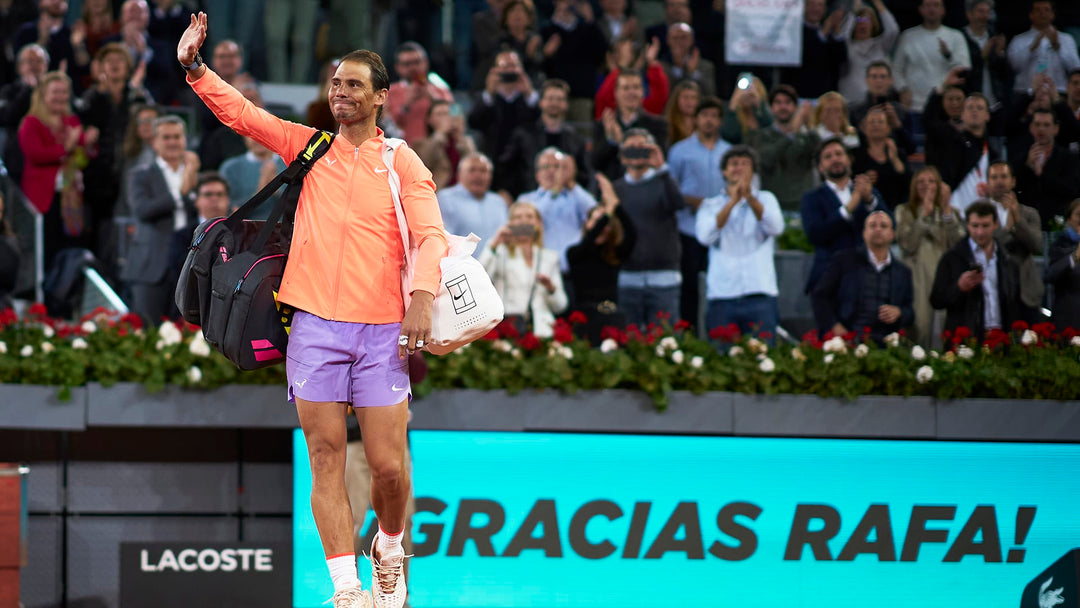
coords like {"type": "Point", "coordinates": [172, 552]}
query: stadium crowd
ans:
{"type": "Point", "coordinates": [605, 151]}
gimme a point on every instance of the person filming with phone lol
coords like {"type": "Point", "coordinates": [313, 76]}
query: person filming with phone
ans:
{"type": "Point", "coordinates": [977, 281]}
{"type": "Point", "coordinates": [525, 274]}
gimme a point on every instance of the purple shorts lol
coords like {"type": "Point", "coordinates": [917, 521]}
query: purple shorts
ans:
{"type": "Point", "coordinates": [353, 363]}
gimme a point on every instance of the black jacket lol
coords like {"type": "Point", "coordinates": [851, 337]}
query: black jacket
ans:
{"type": "Point", "coordinates": [955, 152]}
{"type": "Point", "coordinates": [966, 309]}
{"type": "Point", "coordinates": [1065, 277]}
{"type": "Point", "coordinates": [517, 165]}
{"type": "Point", "coordinates": [1052, 191]}
{"type": "Point", "coordinates": [837, 297]}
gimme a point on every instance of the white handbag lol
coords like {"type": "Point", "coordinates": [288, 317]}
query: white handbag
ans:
{"type": "Point", "coordinates": [467, 306]}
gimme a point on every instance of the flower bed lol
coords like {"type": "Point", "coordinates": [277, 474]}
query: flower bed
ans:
{"type": "Point", "coordinates": [1025, 363]}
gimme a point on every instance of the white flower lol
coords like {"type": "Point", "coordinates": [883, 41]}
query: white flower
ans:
{"type": "Point", "coordinates": [757, 346]}
{"type": "Point", "coordinates": [965, 352]}
{"type": "Point", "coordinates": [797, 354]}
{"type": "Point", "coordinates": [669, 343]}
{"type": "Point", "coordinates": [1075, 341]}
{"type": "Point", "coordinates": [79, 344]}
{"type": "Point", "coordinates": [566, 352]}
{"type": "Point", "coordinates": [1029, 337]}
{"type": "Point", "coordinates": [199, 347]}
{"type": "Point", "coordinates": [47, 347]}
{"type": "Point", "coordinates": [678, 357]}
{"type": "Point", "coordinates": [160, 344]}
{"type": "Point", "coordinates": [934, 354]}
{"type": "Point", "coordinates": [48, 331]}
{"type": "Point", "coordinates": [170, 334]}
{"type": "Point", "coordinates": [88, 327]}
{"type": "Point", "coordinates": [735, 351]}
{"type": "Point", "coordinates": [767, 365]}
{"type": "Point", "coordinates": [3, 347]}
{"type": "Point", "coordinates": [835, 345]}
{"type": "Point", "coordinates": [27, 351]}
{"type": "Point", "coordinates": [917, 353]}
{"type": "Point", "coordinates": [660, 352]}
{"type": "Point", "coordinates": [696, 362]}
{"type": "Point", "coordinates": [194, 374]}
{"type": "Point", "coordinates": [502, 346]}
{"type": "Point", "coordinates": [515, 353]}
{"type": "Point", "coordinates": [924, 374]}
{"type": "Point", "coordinates": [829, 358]}
{"type": "Point", "coordinates": [862, 350]}
{"type": "Point", "coordinates": [892, 340]}
{"type": "Point", "coordinates": [609, 345]}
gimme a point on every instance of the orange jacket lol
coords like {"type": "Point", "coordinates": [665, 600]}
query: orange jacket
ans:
{"type": "Point", "coordinates": [346, 253]}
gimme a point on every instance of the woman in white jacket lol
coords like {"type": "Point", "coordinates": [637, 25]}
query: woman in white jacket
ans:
{"type": "Point", "coordinates": [868, 39]}
{"type": "Point", "coordinates": [525, 274]}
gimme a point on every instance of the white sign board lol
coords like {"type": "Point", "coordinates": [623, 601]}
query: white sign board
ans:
{"type": "Point", "coordinates": [764, 32]}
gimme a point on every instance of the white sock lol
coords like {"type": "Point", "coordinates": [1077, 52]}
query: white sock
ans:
{"type": "Point", "coordinates": [389, 543]}
{"type": "Point", "coordinates": [343, 571]}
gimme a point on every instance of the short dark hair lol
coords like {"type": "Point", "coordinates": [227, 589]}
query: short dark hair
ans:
{"type": "Point", "coordinates": [554, 83]}
{"type": "Point", "coordinates": [739, 151]}
{"type": "Point", "coordinates": [411, 47]}
{"type": "Point", "coordinates": [628, 74]}
{"type": "Point", "coordinates": [978, 95]}
{"type": "Point", "coordinates": [1053, 6]}
{"type": "Point", "coordinates": [1047, 111]}
{"type": "Point", "coordinates": [708, 103]}
{"type": "Point", "coordinates": [1072, 72]}
{"type": "Point", "coordinates": [879, 63]}
{"type": "Point", "coordinates": [210, 177]}
{"type": "Point", "coordinates": [1000, 163]}
{"type": "Point", "coordinates": [982, 208]}
{"type": "Point", "coordinates": [783, 89]}
{"type": "Point", "coordinates": [828, 142]}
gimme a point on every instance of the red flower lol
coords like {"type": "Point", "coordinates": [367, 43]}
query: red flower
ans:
{"type": "Point", "coordinates": [132, 319]}
{"type": "Point", "coordinates": [682, 325]}
{"type": "Point", "coordinates": [725, 333]}
{"type": "Point", "coordinates": [946, 336]}
{"type": "Point", "coordinates": [1019, 325]}
{"type": "Point", "coordinates": [123, 331]}
{"type": "Point", "coordinates": [506, 329]}
{"type": "Point", "coordinates": [491, 336]}
{"type": "Point", "coordinates": [849, 336]}
{"type": "Point", "coordinates": [529, 341]}
{"type": "Point", "coordinates": [996, 337]}
{"type": "Point", "coordinates": [7, 317]}
{"type": "Point", "coordinates": [866, 330]}
{"type": "Point", "coordinates": [577, 317]}
{"type": "Point", "coordinates": [37, 309]}
{"type": "Point", "coordinates": [563, 333]}
{"type": "Point", "coordinates": [962, 333]}
{"type": "Point", "coordinates": [1046, 329]}
{"type": "Point", "coordinates": [1068, 333]}
{"type": "Point", "coordinates": [766, 335]}
{"type": "Point", "coordinates": [663, 316]}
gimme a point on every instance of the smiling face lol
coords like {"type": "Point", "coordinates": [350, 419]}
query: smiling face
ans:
{"type": "Point", "coordinates": [738, 168]}
{"type": "Point", "coordinates": [352, 98]}
{"type": "Point", "coordinates": [58, 97]}
{"type": "Point", "coordinates": [547, 170]}
{"type": "Point", "coordinates": [170, 142]}
{"type": "Point", "coordinates": [475, 175]}
{"type": "Point", "coordinates": [835, 163]}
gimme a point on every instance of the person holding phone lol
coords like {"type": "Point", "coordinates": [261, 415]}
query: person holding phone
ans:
{"type": "Point", "coordinates": [977, 282]}
{"type": "Point", "coordinates": [525, 274]}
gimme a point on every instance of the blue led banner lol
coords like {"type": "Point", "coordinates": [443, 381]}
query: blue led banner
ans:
{"type": "Point", "coordinates": [547, 520]}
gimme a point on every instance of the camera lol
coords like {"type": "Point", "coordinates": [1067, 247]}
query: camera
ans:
{"type": "Point", "coordinates": [508, 77]}
{"type": "Point", "coordinates": [522, 230]}
{"type": "Point", "coordinates": [636, 153]}
{"type": "Point", "coordinates": [744, 80]}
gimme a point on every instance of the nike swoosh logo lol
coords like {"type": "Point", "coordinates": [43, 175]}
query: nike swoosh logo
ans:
{"type": "Point", "coordinates": [396, 389]}
{"type": "Point", "coordinates": [459, 296]}
{"type": "Point", "coordinates": [330, 163]}
{"type": "Point", "coordinates": [380, 170]}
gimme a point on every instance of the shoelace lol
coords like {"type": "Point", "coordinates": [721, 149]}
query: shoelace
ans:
{"type": "Point", "coordinates": [347, 598]}
{"type": "Point", "coordinates": [386, 576]}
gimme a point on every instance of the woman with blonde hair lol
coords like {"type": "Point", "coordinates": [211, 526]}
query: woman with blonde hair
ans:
{"type": "Point", "coordinates": [681, 107]}
{"type": "Point", "coordinates": [526, 275]}
{"type": "Point", "coordinates": [830, 119]}
{"type": "Point", "coordinates": [54, 144]}
{"type": "Point", "coordinates": [926, 227]}
{"type": "Point", "coordinates": [747, 111]}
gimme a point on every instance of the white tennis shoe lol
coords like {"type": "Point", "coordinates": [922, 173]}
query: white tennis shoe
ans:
{"type": "Point", "coordinates": [353, 597]}
{"type": "Point", "coordinates": [388, 578]}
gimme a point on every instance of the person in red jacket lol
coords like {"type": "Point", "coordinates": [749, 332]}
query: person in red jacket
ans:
{"type": "Point", "coordinates": [55, 147]}
{"type": "Point", "coordinates": [626, 58]}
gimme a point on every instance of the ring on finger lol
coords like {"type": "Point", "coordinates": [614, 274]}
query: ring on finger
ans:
{"type": "Point", "coordinates": [419, 343]}
{"type": "Point", "coordinates": [403, 340]}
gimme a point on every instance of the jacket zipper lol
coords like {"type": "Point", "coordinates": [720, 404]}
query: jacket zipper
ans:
{"type": "Point", "coordinates": [341, 241]}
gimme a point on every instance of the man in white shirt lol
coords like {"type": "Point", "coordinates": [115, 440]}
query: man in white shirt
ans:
{"type": "Point", "coordinates": [470, 205]}
{"type": "Point", "coordinates": [925, 54]}
{"type": "Point", "coordinates": [740, 226]}
{"type": "Point", "coordinates": [1042, 50]}
{"type": "Point", "coordinates": [562, 203]}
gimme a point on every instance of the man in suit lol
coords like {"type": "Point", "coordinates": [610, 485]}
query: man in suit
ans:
{"type": "Point", "coordinates": [865, 287]}
{"type": "Point", "coordinates": [158, 196]}
{"type": "Point", "coordinates": [977, 281]}
{"type": "Point", "coordinates": [508, 101]}
{"type": "Point", "coordinates": [1047, 175]}
{"type": "Point", "coordinates": [1020, 234]}
{"type": "Point", "coordinates": [833, 214]}
{"type": "Point", "coordinates": [212, 199]}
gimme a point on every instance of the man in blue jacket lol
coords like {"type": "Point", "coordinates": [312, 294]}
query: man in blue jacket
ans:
{"type": "Point", "coordinates": [865, 287]}
{"type": "Point", "coordinates": [833, 213]}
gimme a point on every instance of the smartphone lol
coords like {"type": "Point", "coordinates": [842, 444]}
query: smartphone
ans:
{"type": "Point", "coordinates": [636, 153]}
{"type": "Point", "coordinates": [522, 230]}
{"type": "Point", "coordinates": [508, 77]}
{"type": "Point", "coordinates": [976, 267]}
{"type": "Point", "coordinates": [745, 79]}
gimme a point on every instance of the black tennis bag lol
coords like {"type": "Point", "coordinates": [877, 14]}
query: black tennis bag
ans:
{"type": "Point", "coordinates": [229, 282]}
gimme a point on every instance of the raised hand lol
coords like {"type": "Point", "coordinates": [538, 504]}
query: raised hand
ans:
{"type": "Point", "coordinates": [192, 40]}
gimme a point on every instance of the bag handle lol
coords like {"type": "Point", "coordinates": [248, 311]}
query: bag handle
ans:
{"type": "Point", "coordinates": [392, 144]}
{"type": "Point", "coordinates": [285, 208]}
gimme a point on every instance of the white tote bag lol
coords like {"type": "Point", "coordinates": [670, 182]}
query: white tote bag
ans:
{"type": "Point", "coordinates": [467, 306]}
